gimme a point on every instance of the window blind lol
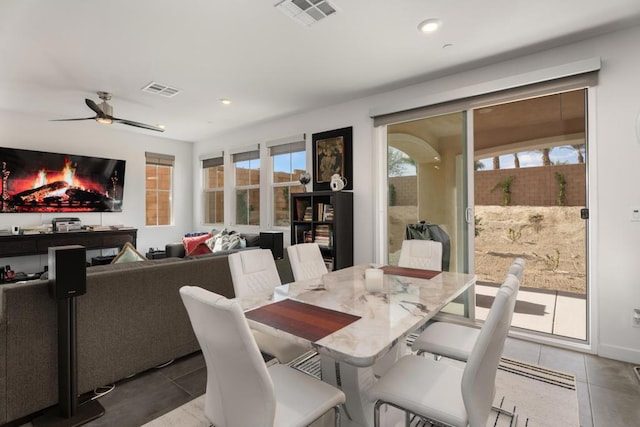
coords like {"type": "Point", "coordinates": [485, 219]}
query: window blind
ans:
{"type": "Point", "coordinates": [209, 163]}
{"type": "Point", "coordinates": [247, 155]}
{"type": "Point", "coordinates": [580, 75]}
{"type": "Point", "coordinates": [159, 159]}
{"type": "Point", "coordinates": [292, 147]}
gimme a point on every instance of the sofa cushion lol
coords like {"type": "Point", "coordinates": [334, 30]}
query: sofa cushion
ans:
{"type": "Point", "coordinates": [175, 249]}
{"type": "Point", "coordinates": [128, 254]}
{"type": "Point", "coordinates": [221, 253]}
{"type": "Point", "coordinates": [130, 265]}
{"type": "Point", "coordinates": [252, 239]}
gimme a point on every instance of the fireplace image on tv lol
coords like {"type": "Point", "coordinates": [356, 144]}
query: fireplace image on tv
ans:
{"type": "Point", "coordinates": [36, 181]}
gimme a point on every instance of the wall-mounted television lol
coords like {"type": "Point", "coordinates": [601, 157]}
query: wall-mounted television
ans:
{"type": "Point", "coordinates": [37, 181]}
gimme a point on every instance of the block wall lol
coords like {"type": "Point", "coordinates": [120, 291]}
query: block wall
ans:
{"type": "Point", "coordinates": [534, 186]}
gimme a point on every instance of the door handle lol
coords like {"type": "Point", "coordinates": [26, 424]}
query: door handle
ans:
{"type": "Point", "coordinates": [468, 215]}
{"type": "Point", "coordinates": [584, 213]}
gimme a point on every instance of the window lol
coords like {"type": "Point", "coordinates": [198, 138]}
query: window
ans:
{"type": "Point", "coordinates": [247, 174]}
{"type": "Point", "coordinates": [213, 171]}
{"type": "Point", "coordinates": [159, 188]}
{"type": "Point", "coordinates": [288, 163]}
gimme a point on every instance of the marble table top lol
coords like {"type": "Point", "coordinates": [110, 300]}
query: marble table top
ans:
{"type": "Point", "coordinates": [402, 305]}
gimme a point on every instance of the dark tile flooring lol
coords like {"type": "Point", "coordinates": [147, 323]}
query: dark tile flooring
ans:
{"type": "Point", "coordinates": [148, 395]}
{"type": "Point", "coordinates": [608, 390]}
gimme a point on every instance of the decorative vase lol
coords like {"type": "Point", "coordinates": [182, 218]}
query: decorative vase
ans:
{"type": "Point", "coordinates": [305, 179]}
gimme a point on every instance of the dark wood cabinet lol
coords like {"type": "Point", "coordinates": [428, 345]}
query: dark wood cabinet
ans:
{"type": "Point", "coordinates": [35, 244]}
{"type": "Point", "coordinates": [326, 218]}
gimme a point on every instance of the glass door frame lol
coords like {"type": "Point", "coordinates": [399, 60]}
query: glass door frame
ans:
{"type": "Point", "coordinates": [466, 226]}
{"type": "Point", "coordinates": [380, 197]}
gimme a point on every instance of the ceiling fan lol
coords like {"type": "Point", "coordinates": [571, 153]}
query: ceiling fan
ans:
{"type": "Point", "coordinates": [104, 114]}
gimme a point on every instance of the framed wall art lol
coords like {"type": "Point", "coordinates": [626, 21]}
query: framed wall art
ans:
{"type": "Point", "coordinates": [332, 154]}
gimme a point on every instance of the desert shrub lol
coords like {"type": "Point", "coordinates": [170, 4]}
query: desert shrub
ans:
{"type": "Point", "coordinates": [392, 195]}
{"type": "Point", "coordinates": [478, 225]}
{"type": "Point", "coordinates": [562, 189]}
{"type": "Point", "coordinates": [514, 235]}
{"type": "Point", "coordinates": [552, 262]}
{"type": "Point", "coordinates": [505, 185]}
{"type": "Point", "coordinates": [536, 221]}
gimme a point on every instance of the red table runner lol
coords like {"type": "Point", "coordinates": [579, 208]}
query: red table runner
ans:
{"type": "Point", "coordinates": [301, 319]}
{"type": "Point", "coordinates": [410, 272]}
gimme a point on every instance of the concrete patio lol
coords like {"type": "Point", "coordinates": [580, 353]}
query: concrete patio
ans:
{"type": "Point", "coordinates": [553, 312]}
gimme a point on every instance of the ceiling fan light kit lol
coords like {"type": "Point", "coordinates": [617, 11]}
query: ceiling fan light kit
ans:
{"type": "Point", "coordinates": [104, 114]}
{"type": "Point", "coordinates": [104, 120]}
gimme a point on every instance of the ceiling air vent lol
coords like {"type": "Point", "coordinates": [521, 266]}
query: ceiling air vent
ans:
{"type": "Point", "coordinates": [306, 12]}
{"type": "Point", "coordinates": [160, 89]}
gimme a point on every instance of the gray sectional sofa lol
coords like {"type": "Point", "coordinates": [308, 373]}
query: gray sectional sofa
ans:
{"type": "Point", "coordinates": [130, 320]}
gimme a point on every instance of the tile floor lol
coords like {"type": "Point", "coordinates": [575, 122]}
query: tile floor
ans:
{"type": "Point", "coordinates": [608, 391]}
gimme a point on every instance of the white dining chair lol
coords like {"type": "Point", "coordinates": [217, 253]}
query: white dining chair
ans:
{"type": "Point", "coordinates": [241, 391]}
{"type": "Point", "coordinates": [254, 271]}
{"type": "Point", "coordinates": [306, 261]}
{"type": "Point", "coordinates": [445, 393]}
{"type": "Point", "coordinates": [422, 254]}
{"type": "Point", "coordinates": [456, 341]}
{"type": "Point", "coordinates": [415, 253]}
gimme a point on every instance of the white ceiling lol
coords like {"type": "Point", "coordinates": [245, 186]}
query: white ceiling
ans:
{"type": "Point", "coordinates": [54, 54]}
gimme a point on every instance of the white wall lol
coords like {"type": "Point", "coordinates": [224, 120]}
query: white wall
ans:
{"type": "Point", "coordinates": [88, 138]}
{"type": "Point", "coordinates": [613, 170]}
{"type": "Point", "coordinates": [335, 117]}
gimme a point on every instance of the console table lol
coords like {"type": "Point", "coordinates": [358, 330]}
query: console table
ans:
{"type": "Point", "coordinates": [34, 244]}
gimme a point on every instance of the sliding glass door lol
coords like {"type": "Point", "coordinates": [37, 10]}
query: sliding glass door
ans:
{"type": "Point", "coordinates": [427, 182]}
{"type": "Point", "coordinates": [530, 191]}
{"type": "Point", "coordinates": [503, 177]}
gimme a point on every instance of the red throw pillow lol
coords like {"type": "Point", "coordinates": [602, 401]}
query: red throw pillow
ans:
{"type": "Point", "coordinates": [190, 243]}
{"type": "Point", "coordinates": [201, 248]}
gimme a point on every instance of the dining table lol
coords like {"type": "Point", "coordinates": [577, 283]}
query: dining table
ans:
{"type": "Point", "coordinates": [357, 321]}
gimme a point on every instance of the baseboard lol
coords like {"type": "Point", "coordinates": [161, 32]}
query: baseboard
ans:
{"type": "Point", "coordinates": [623, 354]}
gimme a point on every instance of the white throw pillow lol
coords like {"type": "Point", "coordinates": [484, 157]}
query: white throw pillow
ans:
{"type": "Point", "coordinates": [128, 253]}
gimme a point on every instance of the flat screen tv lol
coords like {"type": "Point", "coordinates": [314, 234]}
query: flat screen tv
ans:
{"type": "Point", "coordinates": [37, 181]}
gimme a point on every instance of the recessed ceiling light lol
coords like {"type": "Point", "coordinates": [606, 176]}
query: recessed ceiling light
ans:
{"type": "Point", "coordinates": [225, 101]}
{"type": "Point", "coordinates": [161, 126]}
{"type": "Point", "coordinates": [429, 25]}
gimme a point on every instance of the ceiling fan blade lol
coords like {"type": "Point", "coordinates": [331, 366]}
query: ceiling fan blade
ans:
{"type": "Point", "coordinates": [71, 120]}
{"type": "Point", "coordinates": [94, 107]}
{"type": "Point", "coordinates": [138, 124]}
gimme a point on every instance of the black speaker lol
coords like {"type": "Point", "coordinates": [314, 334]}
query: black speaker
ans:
{"type": "Point", "coordinates": [272, 240]}
{"type": "Point", "coordinates": [68, 271]}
